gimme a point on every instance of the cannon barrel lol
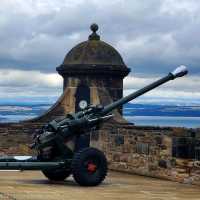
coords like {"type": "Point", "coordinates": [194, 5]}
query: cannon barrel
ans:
{"type": "Point", "coordinates": [178, 72]}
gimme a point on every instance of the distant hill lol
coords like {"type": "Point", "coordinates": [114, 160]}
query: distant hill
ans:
{"type": "Point", "coordinates": [131, 109]}
{"type": "Point", "coordinates": [12, 113]}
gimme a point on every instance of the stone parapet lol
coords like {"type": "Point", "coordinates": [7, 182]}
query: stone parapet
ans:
{"type": "Point", "coordinates": [139, 150]}
{"type": "Point", "coordinates": [15, 138]}
{"type": "Point", "coordinates": [147, 151]}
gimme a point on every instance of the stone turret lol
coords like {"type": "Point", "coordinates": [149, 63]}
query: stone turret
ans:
{"type": "Point", "coordinates": [93, 64]}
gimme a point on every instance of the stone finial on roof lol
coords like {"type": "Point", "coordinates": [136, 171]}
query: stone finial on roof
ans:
{"type": "Point", "coordinates": [94, 36]}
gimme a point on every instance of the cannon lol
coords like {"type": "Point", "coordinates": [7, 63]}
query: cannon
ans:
{"type": "Point", "coordinates": [57, 154]}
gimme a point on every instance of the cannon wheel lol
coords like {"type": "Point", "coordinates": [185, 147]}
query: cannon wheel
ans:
{"type": "Point", "coordinates": [89, 167]}
{"type": "Point", "coordinates": [56, 174]}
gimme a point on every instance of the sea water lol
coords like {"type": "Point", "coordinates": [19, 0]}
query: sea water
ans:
{"type": "Point", "coordinates": [189, 122]}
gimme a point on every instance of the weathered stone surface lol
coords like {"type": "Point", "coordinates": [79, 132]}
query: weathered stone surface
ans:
{"type": "Point", "coordinates": [158, 162]}
{"type": "Point", "coordinates": [123, 155]}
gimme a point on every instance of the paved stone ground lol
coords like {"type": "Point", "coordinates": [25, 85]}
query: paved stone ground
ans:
{"type": "Point", "coordinates": [32, 185]}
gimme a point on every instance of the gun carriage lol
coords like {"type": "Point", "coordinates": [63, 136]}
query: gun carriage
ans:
{"type": "Point", "coordinates": [57, 156]}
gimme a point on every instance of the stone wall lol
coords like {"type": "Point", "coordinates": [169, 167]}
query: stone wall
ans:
{"type": "Point", "coordinates": [143, 150]}
{"type": "Point", "coordinates": [16, 137]}
{"type": "Point", "coordinates": [170, 153]}
{"type": "Point", "coordinates": [147, 151]}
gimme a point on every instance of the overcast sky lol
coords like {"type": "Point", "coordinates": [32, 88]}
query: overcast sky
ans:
{"type": "Point", "coordinates": [153, 37]}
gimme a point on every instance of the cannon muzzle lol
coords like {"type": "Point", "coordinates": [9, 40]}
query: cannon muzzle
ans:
{"type": "Point", "coordinates": [180, 71]}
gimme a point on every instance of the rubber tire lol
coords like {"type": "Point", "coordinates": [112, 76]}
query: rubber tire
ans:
{"type": "Point", "coordinates": [56, 175]}
{"type": "Point", "coordinates": [81, 175]}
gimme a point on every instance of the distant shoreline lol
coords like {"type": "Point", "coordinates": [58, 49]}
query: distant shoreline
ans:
{"type": "Point", "coordinates": [140, 114]}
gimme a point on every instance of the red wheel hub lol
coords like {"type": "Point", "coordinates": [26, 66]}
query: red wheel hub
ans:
{"type": "Point", "coordinates": [91, 167]}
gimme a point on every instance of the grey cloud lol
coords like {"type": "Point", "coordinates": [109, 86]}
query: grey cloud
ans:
{"type": "Point", "coordinates": [189, 84]}
{"type": "Point", "coordinates": [152, 36]}
{"type": "Point", "coordinates": [24, 84]}
{"type": "Point", "coordinates": [32, 79]}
